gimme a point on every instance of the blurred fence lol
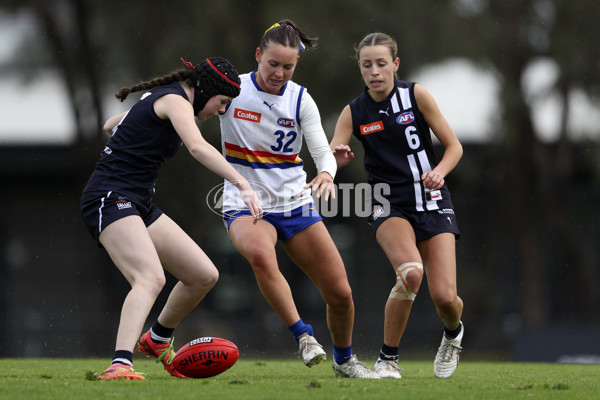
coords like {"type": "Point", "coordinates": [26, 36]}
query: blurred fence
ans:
{"type": "Point", "coordinates": [61, 295]}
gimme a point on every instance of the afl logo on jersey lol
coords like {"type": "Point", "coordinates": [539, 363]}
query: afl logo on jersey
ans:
{"type": "Point", "coordinates": [286, 122]}
{"type": "Point", "coordinates": [246, 115]}
{"type": "Point", "coordinates": [371, 128]}
{"type": "Point", "coordinates": [405, 118]}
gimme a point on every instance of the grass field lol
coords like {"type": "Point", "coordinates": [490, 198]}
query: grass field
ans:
{"type": "Point", "coordinates": [34, 379]}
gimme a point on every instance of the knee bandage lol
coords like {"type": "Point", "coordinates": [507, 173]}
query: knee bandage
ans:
{"type": "Point", "coordinates": [401, 291]}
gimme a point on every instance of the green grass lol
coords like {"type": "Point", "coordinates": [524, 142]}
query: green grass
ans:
{"type": "Point", "coordinates": [34, 379]}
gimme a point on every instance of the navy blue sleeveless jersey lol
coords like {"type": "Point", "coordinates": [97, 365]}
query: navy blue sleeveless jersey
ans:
{"type": "Point", "coordinates": [398, 148]}
{"type": "Point", "coordinates": [140, 145]}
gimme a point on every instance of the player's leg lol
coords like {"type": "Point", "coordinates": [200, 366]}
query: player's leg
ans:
{"type": "Point", "coordinates": [440, 265]}
{"type": "Point", "coordinates": [196, 275]}
{"type": "Point", "coordinates": [182, 257]}
{"type": "Point", "coordinates": [397, 239]}
{"type": "Point", "coordinates": [129, 245]}
{"type": "Point", "coordinates": [313, 250]}
{"type": "Point", "coordinates": [439, 259]}
{"type": "Point", "coordinates": [256, 242]}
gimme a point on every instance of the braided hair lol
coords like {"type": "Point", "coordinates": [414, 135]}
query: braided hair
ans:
{"type": "Point", "coordinates": [213, 76]}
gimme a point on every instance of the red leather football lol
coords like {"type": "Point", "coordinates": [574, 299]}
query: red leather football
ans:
{"type": "Point", "coordinates": [205, 357]}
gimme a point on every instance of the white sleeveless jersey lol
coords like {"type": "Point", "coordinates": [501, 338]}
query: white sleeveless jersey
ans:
{"type": "Point", "coordinates": [261, 137]}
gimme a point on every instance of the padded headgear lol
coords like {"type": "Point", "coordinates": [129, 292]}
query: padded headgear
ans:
{"type": "Point", "coordinates": [213, 76]}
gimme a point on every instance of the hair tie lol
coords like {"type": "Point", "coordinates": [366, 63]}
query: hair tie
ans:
{"type": "Point", "coordinates": [272, 26]}
{"type": "Point", "coordinates": [222, 74]}
{"type": "Point", "coordinates": [187, 64]}
{"type": "Point", "coordinates": [276, 24]}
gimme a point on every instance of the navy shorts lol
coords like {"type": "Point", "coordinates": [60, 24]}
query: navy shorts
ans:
{"type": "Point", "coordinates": [287, 224]}
{"type": "Point", "coordinates": [426, 224]}
{"type": "Point", "coordinates": [100, 209]}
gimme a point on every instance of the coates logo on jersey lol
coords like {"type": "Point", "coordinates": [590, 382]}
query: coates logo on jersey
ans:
{"type": "Point", "coordinates": [286, 122]}
{"type": "Point", "coordinates": [371, 128]}
{"type": "Point", "coordinates": [405, 118]}
{"type": "Point", "coordinates": [246, 115]}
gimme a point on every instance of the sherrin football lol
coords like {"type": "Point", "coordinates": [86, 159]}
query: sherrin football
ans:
{"type": "Point", "coordinates": [205, 357]}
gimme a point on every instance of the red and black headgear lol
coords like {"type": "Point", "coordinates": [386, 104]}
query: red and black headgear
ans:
{"type": "Point", "coordinates": [213, 76]}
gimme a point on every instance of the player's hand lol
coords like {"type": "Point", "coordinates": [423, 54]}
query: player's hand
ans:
{"type": "Point", "coordinates": [343, 155]}
{"type": "Point", "coordinates": [432, 180]}
{"type": "Point", "coordinates": [252, 202]}
{"type": "Point", "coordinates": [322, 183]}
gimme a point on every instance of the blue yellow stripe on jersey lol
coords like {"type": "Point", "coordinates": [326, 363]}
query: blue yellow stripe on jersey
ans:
{"type": "Point", "coordinates": [260, 159]}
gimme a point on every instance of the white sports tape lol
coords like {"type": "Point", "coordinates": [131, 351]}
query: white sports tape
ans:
{"type": "Point", "coordinates": [401, 291]}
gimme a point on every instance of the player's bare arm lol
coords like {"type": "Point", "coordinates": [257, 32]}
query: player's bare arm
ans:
{"type": "Point", "coordinates": [441, 129]}
{"type": "Point", "coordinates": [341, 138]}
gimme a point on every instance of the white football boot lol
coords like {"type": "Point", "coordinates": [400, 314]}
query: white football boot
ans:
{"type": "Point", "coordinates": [387, 369]}
{"type": "Point", "coordinates": [446, 359]}
{"type": "Point", "coordinates": [310, 350]}
{"type": "Point", "coordinates": [354, 369]}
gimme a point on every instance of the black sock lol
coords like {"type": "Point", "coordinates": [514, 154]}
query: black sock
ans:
{"type": "Point", "coordinates": [388, 353]}
{"type": "Point", "coordinates": [452, 334]}
{"type": "Point", "coordinates": [123, 357]}
{"type": "Point", "coordinates": [159, 330]}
